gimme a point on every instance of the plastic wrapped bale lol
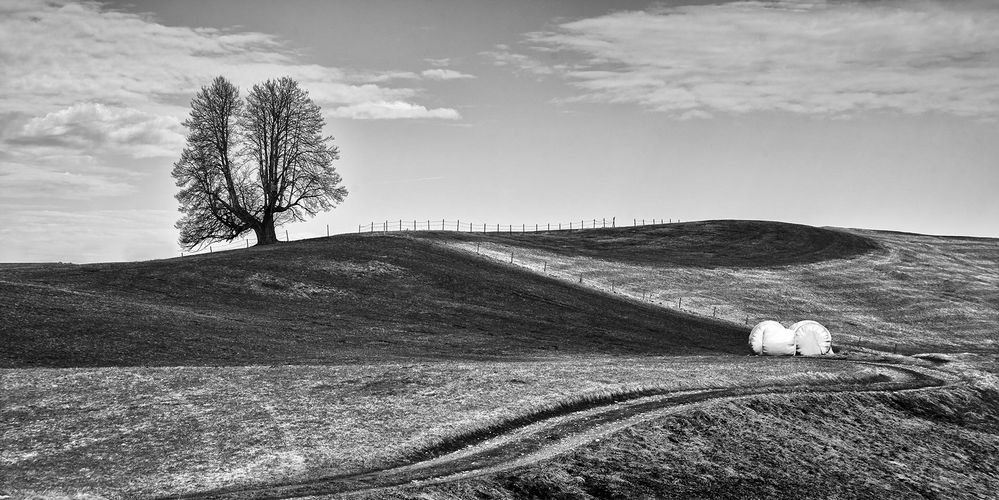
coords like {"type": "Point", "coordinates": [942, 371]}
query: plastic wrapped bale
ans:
{"type": "Point", "coordinates": [770, 338]}
{"type": "Point", "coordinates": [811, 338]}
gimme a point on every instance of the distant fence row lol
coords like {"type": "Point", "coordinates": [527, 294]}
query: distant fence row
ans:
{"type": "Point", "coordinates": [485, 227]}
{"type": "Point", "coordinates": [438, 225]}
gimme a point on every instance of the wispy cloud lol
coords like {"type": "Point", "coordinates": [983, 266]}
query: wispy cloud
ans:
{"type": "Point", "coordinates": [396, 109]}
{"type": "Point", "coordinates": [57, 55]}
{"type": "Point", "coordinates": [438, 62]}
{"type": "Point", "coordinates": [84, 234]}
{"type": "Point", "coordinates": [90, 126]}
{"type": "Point", "coordinates": [48, 179]}
{"type": "Point", "coordinates": [830, 58]}
{"type": "Point", "coordinates": [445, 74]}
{"type": "Point", "coordinates": [503, 56]}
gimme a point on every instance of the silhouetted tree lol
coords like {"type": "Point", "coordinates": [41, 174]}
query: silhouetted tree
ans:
{"type": "Point", "coordinates": [250, 165]}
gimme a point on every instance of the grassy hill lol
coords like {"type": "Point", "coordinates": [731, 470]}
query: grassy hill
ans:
{"type": "Point", "coordinates": [426, 295]}
{"type": "Point", "coordinates": [339, 300]}
{"type": "Point", "coordinates": [334, 355]}
{"type": "Point", "coordinates": [884, 290]}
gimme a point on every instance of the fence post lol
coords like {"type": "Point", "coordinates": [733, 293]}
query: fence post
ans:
{"type": "Point", "coordinates": [613, 221]}
{"type": "Point", "coordinates": [442, 224]}
{"type": "Point", "coordinates": [559, 226]}
{"type": "Point", "coordinates": [636, 222]}
{"type": "Point", "coordinates": [679, 303]}
{"type": "Point", "coordinates": [247, 243]}
{"type": "Point", "coordinates": [372, 227]}
{"type": "Point", "coordinates": [327, 230]}
{"type": "Point", "coordinates": [510, 229]}
{"type": "Point", "coordinates": [605, 222]}
{"type": "Point", "coordinates": [286, 236]}
{"type": "Point", "coordinates": [523, 228]}
{"type": "Point", "coordinates": [209, 249]}
{"type": "Point", "coordinates": [714, 312]}
{"type": "Point", "coordinates": [582, 225]}
{"type": "Point", "coordinates": [545, 270]}
{"type": "Point", "coordinates": [549, 227]}
{"type": "Point", "coordinates": [511, 257]}
{"type": "Point", "coordinates": [457, 225]}
{"type": "Point", "coordinates": [400, 224]}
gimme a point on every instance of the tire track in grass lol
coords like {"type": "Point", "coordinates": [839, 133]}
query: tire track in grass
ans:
{"type": "Point", "coordinates": [532, 438]}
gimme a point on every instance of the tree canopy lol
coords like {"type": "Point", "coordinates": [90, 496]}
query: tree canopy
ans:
{"type": "Point", "coordinates": [249, 165]}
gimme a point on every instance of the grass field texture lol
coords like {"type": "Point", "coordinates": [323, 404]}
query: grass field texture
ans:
{"type": "Point", "coordinates": [318, 357]}
{"type": "Point", "coordinates": [883, 290]}
{"type": "Point", "coordinates": [126, 432]}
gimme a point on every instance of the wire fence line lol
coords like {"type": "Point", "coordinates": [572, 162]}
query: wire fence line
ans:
{"type": "Point", "coordinates": [402, 225]}
{"type": "Point", "coordinates": [485, 227]}
{"type": "Point", "coordinates": [594, 278]}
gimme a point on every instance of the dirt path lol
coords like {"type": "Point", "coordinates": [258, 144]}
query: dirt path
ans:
{"type": "Point", "coordinates": [550, 435]}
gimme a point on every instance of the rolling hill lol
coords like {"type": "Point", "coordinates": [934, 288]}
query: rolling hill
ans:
{"type": "Point", "coordinates": [427, 295]}
{"type": "Point", "coordinates": [349, 357]}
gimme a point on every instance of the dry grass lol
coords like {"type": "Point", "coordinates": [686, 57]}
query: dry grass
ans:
{"type": "Point", "coordinates": [452, 344]}
{"type": "Point", "coordinates": [126, 432]}
{"type": "Point", "coordinates": [907, 292]}
{"type": "Point", "coordinates": [348, 299]}
{"type": "Point", "coordinates": [939, 443]}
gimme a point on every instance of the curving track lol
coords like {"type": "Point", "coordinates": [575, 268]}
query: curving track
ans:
{"type": "Point", "coordinates": [552, 434]}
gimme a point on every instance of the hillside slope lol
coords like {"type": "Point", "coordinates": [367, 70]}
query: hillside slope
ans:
{"type": "Point", "coordinates": [337, 300]}
{"type": "Point", "coordinates": [885, 290]}
{"type": "Point", "coordinates": [435, 295]}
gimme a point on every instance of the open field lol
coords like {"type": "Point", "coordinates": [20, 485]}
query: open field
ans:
{"type": "Point", "coordinates": [335, 356]}
{"type": "Point", "coordinates": [938, 444]}
{"type": "Point", "coordinates": [153, 431]}
{"type": "Point", "coordinates": [882, 290]}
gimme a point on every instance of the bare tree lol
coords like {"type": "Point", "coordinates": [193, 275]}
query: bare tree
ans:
{"type": "Point", "coordinates": [250, 165]}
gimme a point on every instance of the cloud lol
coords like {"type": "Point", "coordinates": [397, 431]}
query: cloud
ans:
{"type": "Point", "coordinates": [48, 235]}
{"type": "Point", "coordinates": [50, 180]}
{"type": "Point", "coordinates": [56, 55]}
{"type": "Point", "coordinates": [90, 126]}
{"type": "Point", "coordinates": [825, 58]}
{"type": "Point", "coordinates": [89, 95]}
{"type": "Point", "coordinates": [438, 63]}
{"type": "Point", "coordinates": [445, 74]}
{"type": "Point", "coordinates": [399, 109]}
{"type": "Point", "coordinates": [504, 57]}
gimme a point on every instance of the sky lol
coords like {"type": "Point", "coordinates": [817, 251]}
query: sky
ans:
{"type": "Point", "coordinates": [861, 114]}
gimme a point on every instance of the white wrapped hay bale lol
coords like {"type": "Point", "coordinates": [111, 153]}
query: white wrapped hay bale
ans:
{"type": "Point", "coordinates": [770, 338]}
{"type": "Point", "coordinates": [811, 338]}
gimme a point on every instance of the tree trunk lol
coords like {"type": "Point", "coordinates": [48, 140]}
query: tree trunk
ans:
{"type": "Point", "coordinates": [265, 233]}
